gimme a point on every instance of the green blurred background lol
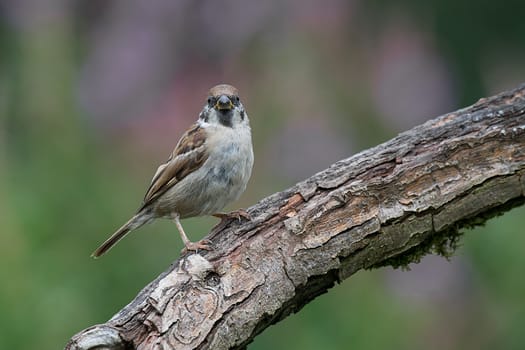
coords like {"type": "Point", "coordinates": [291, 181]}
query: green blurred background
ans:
{"type": "Point", "coordinates": [94, 94]}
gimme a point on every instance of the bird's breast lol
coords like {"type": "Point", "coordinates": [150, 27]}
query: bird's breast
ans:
{"type": "Point", "coordinates": [220, 180]}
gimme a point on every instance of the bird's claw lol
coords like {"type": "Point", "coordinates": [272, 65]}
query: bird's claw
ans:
{"type": "Point", "coordinates": [203, 244]}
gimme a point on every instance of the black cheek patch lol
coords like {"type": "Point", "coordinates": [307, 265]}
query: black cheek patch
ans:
{"type": "Point", "coordinates": [204, 116]}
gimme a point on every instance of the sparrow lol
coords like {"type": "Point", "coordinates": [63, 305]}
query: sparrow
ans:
{"type": "Point", "coordinates": [209, 168]}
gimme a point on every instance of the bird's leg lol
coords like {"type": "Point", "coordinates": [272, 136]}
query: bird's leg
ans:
{"type": "Point", "coordinates": [189, 245]}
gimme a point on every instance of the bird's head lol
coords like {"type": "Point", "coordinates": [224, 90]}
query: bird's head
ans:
{"type": "Point", "coordinates": [224, 107]}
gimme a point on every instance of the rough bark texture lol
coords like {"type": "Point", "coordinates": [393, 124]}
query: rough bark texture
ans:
{"type": "Point", "coordinates": [387, 205]}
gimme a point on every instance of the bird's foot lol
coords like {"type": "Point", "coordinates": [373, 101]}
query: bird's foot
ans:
{"type": "Point", "coordinates": [203, 244]}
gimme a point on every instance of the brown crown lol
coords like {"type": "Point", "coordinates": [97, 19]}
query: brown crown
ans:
{"type": "Point", "coordinates": [223, 89]}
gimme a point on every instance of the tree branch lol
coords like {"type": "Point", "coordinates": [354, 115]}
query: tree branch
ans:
{"type": "Point", "coordinates": [388, 205]}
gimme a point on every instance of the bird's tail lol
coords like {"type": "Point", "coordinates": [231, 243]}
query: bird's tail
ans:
{"type": "Point", "coordinates": [141, 218]}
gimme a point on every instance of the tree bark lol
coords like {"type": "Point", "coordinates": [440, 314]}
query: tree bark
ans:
{"type": "Point", "coordinates": [388, 205]}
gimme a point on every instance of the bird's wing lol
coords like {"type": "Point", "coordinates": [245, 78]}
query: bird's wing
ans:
{"type": "Point", "coordinates": [189, 154]}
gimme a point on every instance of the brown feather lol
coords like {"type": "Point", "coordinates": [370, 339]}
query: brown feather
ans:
{"type": "Point", "coordinates": [223, 89]}
{"type": "Point", "coordinates": [188, 155]}
{"type": "Point", "coordinates": [135, 222]}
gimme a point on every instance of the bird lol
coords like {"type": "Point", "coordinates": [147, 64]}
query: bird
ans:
{"type": "Point", "coordinates": [208, 169]}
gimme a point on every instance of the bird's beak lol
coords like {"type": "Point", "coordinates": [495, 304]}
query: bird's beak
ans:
{"type": "Point", "coordinates": [223, 103]}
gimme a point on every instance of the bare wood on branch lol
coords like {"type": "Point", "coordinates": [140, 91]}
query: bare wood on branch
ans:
{"type": "Point", "coordinates": [388, 205]}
